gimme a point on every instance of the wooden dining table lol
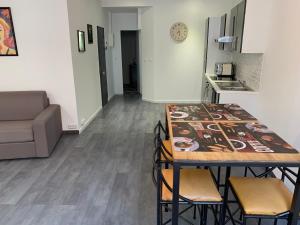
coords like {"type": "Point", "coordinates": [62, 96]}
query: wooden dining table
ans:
{"type": "Point", "coordinates": [225, 135]}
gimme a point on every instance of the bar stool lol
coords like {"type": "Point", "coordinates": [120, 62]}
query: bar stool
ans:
{"type": "Point", "coordinates": [197, 188]}
{"type": "Point", "coordinates": [167, 157]}
{"type": "Point", "coordinates": [263, 198]}
{"type": "Point", "coordinates": [166, 146]}
{"type": "Point", "coordinates": [159, 130]}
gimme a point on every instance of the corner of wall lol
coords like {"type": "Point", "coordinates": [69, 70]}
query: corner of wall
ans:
{"type": "Point", "coordinates": [85, 65]}
{"type": "Point", "coordinates": [72, 61]}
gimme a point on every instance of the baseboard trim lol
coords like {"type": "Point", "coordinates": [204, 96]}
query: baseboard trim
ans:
{"type": "Point", "coordinates": [110, 97]}
{"type": "Point", "coordinates": [70, 132]}
{"type": "Point", "coordinates": [87, 123]}
{"type": "Point", "coordinates": [171, 101]}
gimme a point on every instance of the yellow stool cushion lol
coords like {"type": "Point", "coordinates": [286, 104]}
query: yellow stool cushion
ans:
{"type": "Point", "coordinates": [168, 145]}
{"type": "Point", "coordinates": [195, 184]}
{"type": "Point", "coordinates": [262, 196]}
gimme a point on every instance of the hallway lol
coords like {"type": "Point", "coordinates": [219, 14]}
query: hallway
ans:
{"type": "Point", "coordinates": [101, 177]}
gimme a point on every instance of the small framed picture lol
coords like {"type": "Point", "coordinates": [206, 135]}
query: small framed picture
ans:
{"type": "Point", "coordinates": [81, 41]}
{"type": "Point", "coordinates": [8, 43]}
{"type": "Point", "coordinates": [90, 33]}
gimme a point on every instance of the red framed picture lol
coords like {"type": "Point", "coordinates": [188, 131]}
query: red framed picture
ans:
{"type": "Point", "coordinates": [8, 43]}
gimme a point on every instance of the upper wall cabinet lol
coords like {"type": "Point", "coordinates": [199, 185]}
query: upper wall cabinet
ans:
{"type": "Point", "coordinates": [236, 27]}
{"type": "Point", "coordinates": [249, 24]}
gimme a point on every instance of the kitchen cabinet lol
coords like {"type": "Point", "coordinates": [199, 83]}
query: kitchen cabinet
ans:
{"type": "Point", "coordinates": [246, 100]}
{"type": "Point", "coordinates": [213, 94]}
{"type": "Point", "coordinates": [223, 30]}
{"type": "Point", "coordinates": [249, 23]}
{"type": "Point", "coordinates": [237, 18]}
{"type": "Point", "coordinates": [208, 93]}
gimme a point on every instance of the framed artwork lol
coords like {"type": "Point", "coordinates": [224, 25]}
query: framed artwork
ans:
{"type": "Point", "coordinates": [81, 41]}
{"type": "Point", "coordinates": [8, 44]}
{"type": "Point", "coordinates": [90, 33]}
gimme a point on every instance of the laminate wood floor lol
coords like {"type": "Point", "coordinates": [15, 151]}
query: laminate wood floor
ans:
{"type": "Point", "coordinates": [101, 177]}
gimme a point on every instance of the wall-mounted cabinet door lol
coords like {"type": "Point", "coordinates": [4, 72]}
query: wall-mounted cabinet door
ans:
{"type": "Point", "coordinates": [236, 28]}
{"type": "Point", "coordinates": [241, 9]}
{"type": "Point", "coordinates": [233, 21]}
{"type": "Point", "coordinates": [232, 29]}
{"type": "Point", "coordinates": [249, 22]}
{"type": "Point", "coordinates": [223, 30]}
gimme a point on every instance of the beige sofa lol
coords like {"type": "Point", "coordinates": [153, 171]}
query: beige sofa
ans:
{"type": "Point", "coordinates": [29, 126]}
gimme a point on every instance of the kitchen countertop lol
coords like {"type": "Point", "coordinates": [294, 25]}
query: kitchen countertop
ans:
{"type": "Point", "coordinates": [219, 91]}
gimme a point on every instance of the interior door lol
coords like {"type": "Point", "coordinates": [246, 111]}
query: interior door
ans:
{"type": "Point", "coordinates": [102, 65]}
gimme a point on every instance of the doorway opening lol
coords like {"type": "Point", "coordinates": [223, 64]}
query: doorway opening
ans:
{"type": "Point", "coordinates": [130, 62]}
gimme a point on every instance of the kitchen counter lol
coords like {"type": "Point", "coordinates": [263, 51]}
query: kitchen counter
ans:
{"type": "Point", "coordinates": [220, 91]}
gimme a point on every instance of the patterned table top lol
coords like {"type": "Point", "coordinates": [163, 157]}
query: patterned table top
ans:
{"type": "Point", "coordinates": [209, 112]}
{"type": "Point", "coordinates": [223, 128]}
{"type": "Point", "coordinates": [228, 112]}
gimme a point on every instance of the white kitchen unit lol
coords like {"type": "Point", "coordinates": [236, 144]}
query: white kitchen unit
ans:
{"type": "Point", "coordinates": [256, 26]}
{"type": "Point", "coordinates": [249, 23]}
{"type": "Point", "coordinates": [246, 99]}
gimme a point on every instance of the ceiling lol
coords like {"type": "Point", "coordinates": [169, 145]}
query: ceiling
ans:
{"type": "Point", "coordinates": [122, 9]}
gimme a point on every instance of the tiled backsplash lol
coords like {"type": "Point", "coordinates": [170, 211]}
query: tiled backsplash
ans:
{"type": "Point", "coordinates": [248, 68]}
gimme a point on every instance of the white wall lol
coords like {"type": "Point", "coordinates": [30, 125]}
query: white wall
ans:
{"type": "Point", "coordinates": [146, 43]}
{"type": "Point", "coordinates": [177, 67]}
{"type": "Point", "coordinates": [44, 61]}
{"type": "Point", "coordinates": [109, 65]}
{"type": "Point", "coordinates": [279, 95]}
{"type": "Point", "coordinates": [169, 71]}
{"type": "Point", "coordinates": [86, 65]}
{"type": "Point", "coordinates": [120, 21]}
{"type": "Point", "coordinates": [127, 3]}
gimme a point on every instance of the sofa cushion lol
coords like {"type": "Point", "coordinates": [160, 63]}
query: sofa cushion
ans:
{"type": "Point", "coordinates": [16, 131]}
{"type": "Point", "coordinates": [22, 105]}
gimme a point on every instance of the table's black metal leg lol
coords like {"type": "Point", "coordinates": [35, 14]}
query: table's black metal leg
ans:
{"type": "Point", "coordinates": [195, 212]}
{"type": "Point", "coordinates": [244, 222]}
{"type": "Point", "coordinates": [175, 201]}
{"type": "Point", "coordinates": [225, 197]}
{"type": "Point", "coordinates": [246, 171]}
{"type": "Point", "coordinates": [295, 209]}
{"type": "Point", "coordinates": [167, 129]}
{"type": "Point", "coordinates": [204, 215]}
{"type": "Point", "coordinates": [219, 177]}
{"type": "Point", "coordinates": [159, 207]}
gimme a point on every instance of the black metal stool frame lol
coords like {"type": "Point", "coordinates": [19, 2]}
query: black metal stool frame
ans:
{"type": "Point", "coordinates": [161, 150]}
{"type": "Point", "coordinates": [286, 173]}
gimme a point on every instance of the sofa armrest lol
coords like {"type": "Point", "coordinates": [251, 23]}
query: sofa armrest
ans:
{"type": "Point", "coordinates": [47, 130]}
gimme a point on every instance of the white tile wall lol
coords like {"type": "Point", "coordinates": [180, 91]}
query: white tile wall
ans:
{"type": "Point", "coordinates": [248, 68]}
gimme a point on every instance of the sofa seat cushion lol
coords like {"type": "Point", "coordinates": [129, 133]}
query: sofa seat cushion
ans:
{"type": "Point", "coordinates": [16, 131]}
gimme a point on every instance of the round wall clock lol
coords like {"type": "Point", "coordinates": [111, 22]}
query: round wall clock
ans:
{"type": "Point", "coordinates": [179, 32]}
